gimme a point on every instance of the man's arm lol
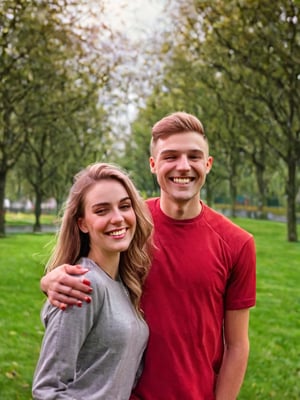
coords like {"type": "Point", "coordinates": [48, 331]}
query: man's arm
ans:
{"type": "Point", "coordinates": [63, 288]}
{"type": "Point", "coordinates": [236, 354]}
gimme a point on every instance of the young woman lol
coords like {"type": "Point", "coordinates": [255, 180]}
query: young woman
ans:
{"type": "Point", "coordinates": [95, 352]}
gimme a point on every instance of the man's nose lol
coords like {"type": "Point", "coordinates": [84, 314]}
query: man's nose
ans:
{"type": "Point", "coordinates": [183, 163]}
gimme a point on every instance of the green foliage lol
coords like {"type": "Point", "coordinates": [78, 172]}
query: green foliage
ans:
{"type": "Point", "coordinates": [235, 64]}
{"type": "Point", "coordinates": [50, 115]}
{"type": "Point", "coordinates": [137, 154]}
{"type": "Point", "coordinates": [274, 366]}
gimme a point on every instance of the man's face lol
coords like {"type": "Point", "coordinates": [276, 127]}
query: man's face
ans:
{"type": "Point", "coordinates": [181, 162]}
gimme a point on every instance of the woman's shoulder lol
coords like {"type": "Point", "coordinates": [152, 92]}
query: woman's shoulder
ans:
{"type": "Point", "coordinates": [94, 272]}
{"type": "Point", "coordinates": [97, 277]}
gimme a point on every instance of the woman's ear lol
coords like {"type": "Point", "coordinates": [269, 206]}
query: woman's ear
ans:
{"type": "Point", "coordinates": [82, 226]}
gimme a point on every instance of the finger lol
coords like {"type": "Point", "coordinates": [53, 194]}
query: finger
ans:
{"type": "Point", "coordinates": [79, 297]}
{"type": "Point", "coordinates": [57, 304]}
{"type": "Point", "coordinates": [69, 295]}
{"type": "Point", "coordinates": [79, 287]}
{"type": "Point", "coordinates": [86, 282]}
{"type": "Point", "coordinates": [76, 296]}
{"type": "Point", "coordinates": [61, 300]}
{"type": "Point", "coordinates": [75, 269]}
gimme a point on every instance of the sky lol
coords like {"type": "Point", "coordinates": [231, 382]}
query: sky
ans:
{"type": "Point", "coordinates": [134, 17]}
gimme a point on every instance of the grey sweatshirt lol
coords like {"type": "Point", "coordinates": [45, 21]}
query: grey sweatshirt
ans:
{"type": "Point", "coordinates": [93, 352]}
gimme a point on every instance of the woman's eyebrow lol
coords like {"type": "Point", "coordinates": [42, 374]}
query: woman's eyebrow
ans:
{"type": "Point", "coordinates": [107, 203]}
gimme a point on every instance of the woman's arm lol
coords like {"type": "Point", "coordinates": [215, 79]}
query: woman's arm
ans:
{"type": "Point", "coordinates": [64, 336]}
{"type": "Point", "coordinates": [63, 288]}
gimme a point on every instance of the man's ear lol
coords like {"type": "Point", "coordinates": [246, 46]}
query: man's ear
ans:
{"type": "Point", "coordinates": [82, 226]}
{"type": "Point", "coordinates": [209, 164]}
{"type": "Point", "coordinates": [152, 164]}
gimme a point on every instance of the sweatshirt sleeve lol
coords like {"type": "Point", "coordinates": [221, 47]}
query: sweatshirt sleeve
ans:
{"type": "Point", "coordinates": [64, 336]}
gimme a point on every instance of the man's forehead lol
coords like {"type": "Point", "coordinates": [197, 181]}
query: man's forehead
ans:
{"type": "Point", "coordinates": [188, 141]}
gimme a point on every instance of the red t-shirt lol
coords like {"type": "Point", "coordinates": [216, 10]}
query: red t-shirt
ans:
{"type": "Point", "coordinates": [202, 266]}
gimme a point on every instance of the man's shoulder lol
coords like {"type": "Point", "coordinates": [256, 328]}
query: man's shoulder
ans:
{"type": "Point", "coordinates": [223, 225]}
{"type": "Point", "coordinates": [152, 203]}
{"type": "Point", "coordinates": [152, 200]}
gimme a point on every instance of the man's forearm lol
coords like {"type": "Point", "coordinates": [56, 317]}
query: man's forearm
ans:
{"type": "Point", "coordinates": [66, 285]}
{"type": "Point", "coordinates": [43, 284]}
{"type": "Point", "coordinates": [232, 373]}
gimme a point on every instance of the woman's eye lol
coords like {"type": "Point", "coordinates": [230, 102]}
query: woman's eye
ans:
{"type": "Point", "coordinates": [101, 211]}
{"type": "Point", "coordinates": [125, 206]}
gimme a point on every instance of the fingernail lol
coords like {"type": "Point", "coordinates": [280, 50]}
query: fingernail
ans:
{"type": "Point", "coordinates": [88, 299]}
{"type": "Point", "coordinates": [82, 268]}
{"type": "Point", "coordinates": [86, 282]}
{"type": "Point", "coordinates": [63, 307]}
{"type": "Point", "coordinates": [79, 303]}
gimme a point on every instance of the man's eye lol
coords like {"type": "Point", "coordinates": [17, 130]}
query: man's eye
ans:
{"type": "Point", "coordinates": [196, 156]}
{"type": "Point", "coordinates": [169, 158]}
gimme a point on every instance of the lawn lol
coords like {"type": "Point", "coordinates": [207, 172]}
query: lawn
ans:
{"type": "Point", "coordinates": [25, 219]}
{"type": "Point", "coordinates": [22, 258]}
{"type": "Point", "coordinates": [274, 364]}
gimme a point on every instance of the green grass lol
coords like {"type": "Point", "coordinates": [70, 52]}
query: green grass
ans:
{"type": "Point", "coordinates": [25, 219]}
{"type": "Point", "coordinates": [22, 259]}
{"type": "Point", "coordinates": [274, 363]}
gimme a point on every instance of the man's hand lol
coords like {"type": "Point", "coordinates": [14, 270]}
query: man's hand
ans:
{"type": "Point", "coordinates": [63, 289]}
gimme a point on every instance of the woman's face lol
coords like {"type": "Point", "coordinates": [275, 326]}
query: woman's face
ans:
{"type": "Point", "coordinates": [109, 218]}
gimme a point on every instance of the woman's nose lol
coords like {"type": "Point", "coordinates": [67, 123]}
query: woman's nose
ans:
{"type": "Point", "coordinates": [117, 216]}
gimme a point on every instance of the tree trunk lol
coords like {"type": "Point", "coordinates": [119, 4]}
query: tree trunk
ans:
{"type": "Point", "coordinates": [233, 189]}
{"type": "Point", "coordinates": [291, 203]}
{"type": "Point", "coordinates": [259, 168]}
{"type": "Point", "coordinates": [2, 197]}
{"type": "Point", "coordinates": [209, 193]}
{"type": "Point", "coordinates": [37, 212]}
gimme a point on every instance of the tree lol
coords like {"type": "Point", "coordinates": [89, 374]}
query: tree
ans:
{"type": "Point", "coordinates": [257, 45]}
{"type": "Point", "coordinates": [244, 57]}
{"type": "Point", "coordinates": [50, 87]}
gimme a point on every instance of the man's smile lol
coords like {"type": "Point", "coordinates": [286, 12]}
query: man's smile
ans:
{"type": "Point", "coordinates": [182, 180]}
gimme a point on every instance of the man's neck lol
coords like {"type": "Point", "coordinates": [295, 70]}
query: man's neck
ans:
{"type": "Point", "coordinates": [180, 209]}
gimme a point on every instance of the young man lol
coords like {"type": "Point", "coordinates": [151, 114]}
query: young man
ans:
{"type": "Point", "coordinates": [201, 284]}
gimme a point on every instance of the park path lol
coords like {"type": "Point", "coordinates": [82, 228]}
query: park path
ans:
{"type": "Point", "coordinates": [29, 229]}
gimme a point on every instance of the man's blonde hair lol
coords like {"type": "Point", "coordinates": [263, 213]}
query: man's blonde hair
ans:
{"type": "Point", "coordinates": [177, 122]}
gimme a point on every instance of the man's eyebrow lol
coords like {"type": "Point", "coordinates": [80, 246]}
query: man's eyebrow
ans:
{"type": "Point", "coordinates": [176, 151]}
{"type": "Point", "coordinates": [169, 151]}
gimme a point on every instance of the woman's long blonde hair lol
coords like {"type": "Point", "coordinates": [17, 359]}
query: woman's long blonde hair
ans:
{"type": "Point", "coordinates": [72, 244]}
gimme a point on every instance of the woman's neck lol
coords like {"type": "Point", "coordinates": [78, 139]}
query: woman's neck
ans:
{"type": "Point", "coordinates": [108, 263]}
